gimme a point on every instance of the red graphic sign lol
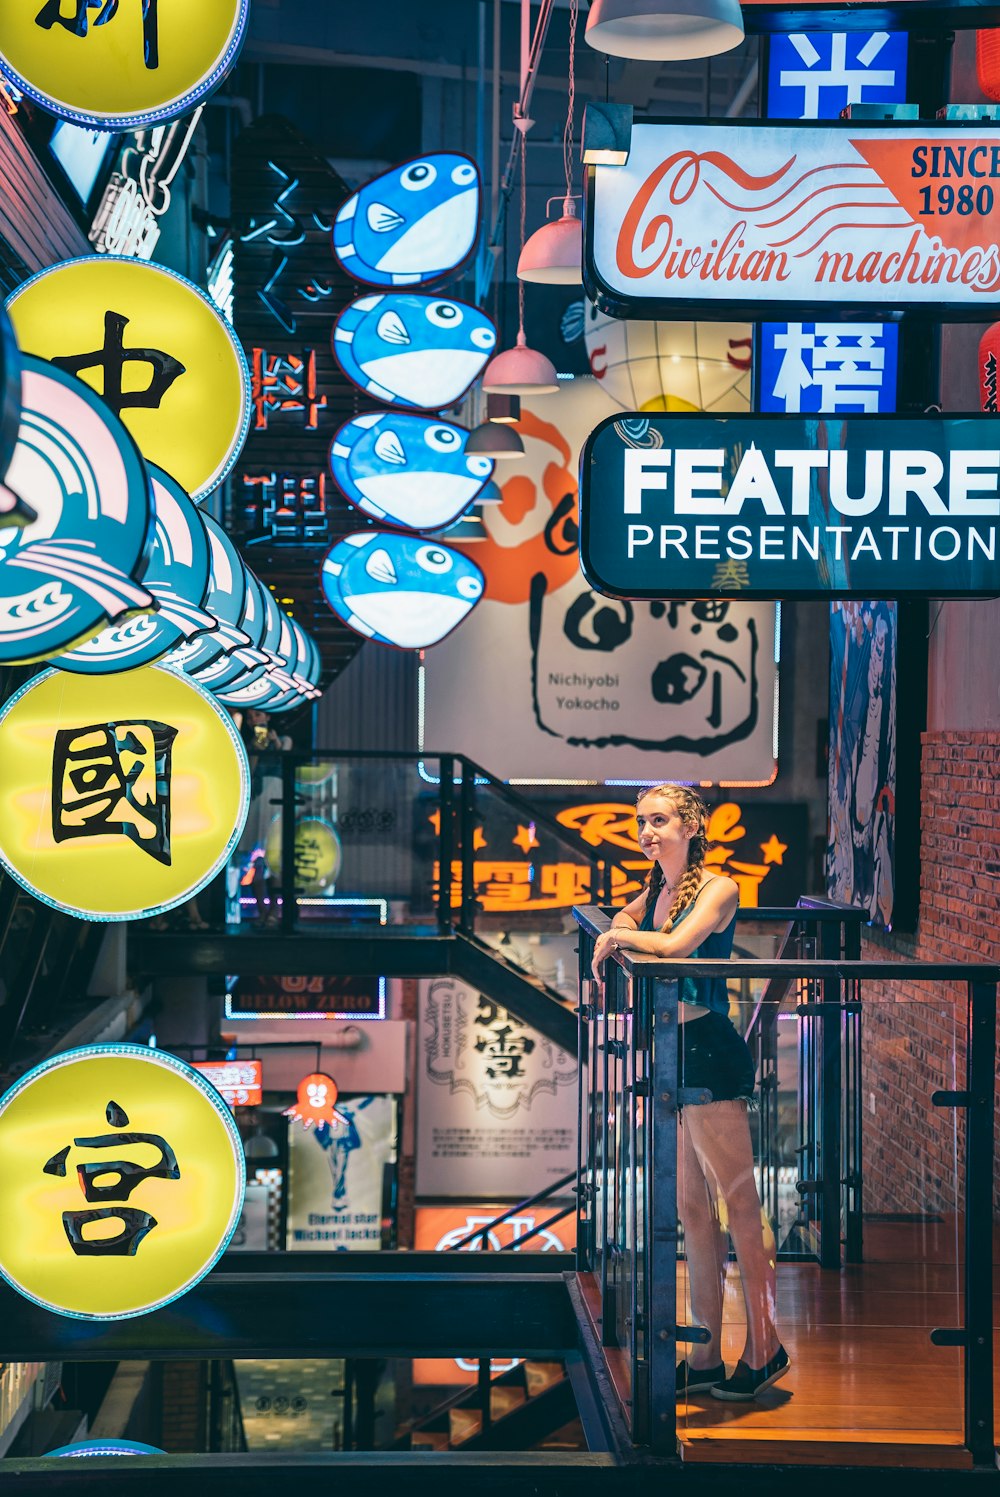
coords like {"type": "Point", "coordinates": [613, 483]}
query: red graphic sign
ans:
{"type": "Point", "coordinates": [989, 353]}
{"type": "Point", "coordinates": [239, 1081]}
{"type": "Point", "coordinates": [314, 1103]}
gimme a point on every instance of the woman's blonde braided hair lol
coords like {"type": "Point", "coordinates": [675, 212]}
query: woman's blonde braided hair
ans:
{"type": "Point", "coordinates": [692, 810]}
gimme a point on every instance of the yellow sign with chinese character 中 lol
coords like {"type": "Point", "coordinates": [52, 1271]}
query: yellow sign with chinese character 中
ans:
{"type": "Point", "coordinates": [155, 348]}
{"type": "Point", "coordinates": [121, 1181]}
{"type": "Point", "coordinates": [120, 64]}
{"type": "Point", "coordinates": [123, 795]}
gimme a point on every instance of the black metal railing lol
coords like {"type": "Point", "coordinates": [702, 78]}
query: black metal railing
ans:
{"type": "Point", "coordinates": [627, 1235]}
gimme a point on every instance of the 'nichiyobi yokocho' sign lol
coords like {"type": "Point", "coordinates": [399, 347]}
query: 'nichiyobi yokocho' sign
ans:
{"type": "Point", "coordinates": [693, 506]}
{"type": "Point", "coordinates": [772, 220]}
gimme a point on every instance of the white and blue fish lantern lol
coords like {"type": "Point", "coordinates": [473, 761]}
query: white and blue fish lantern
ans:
{"type": "Point", "coordinates": [411, 471]}
{"type": "Point", "coordinates": [413, 225]}
{"type": "Point", "coordinates": [412, 350]}
{"type": "Point", "coordinates": [399, 589]}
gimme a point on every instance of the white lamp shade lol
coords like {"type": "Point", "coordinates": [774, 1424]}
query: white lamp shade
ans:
{"type": "Point", "coordinates": [520, 371]}
{"type": "Point", "coordinates": [554, 254]}
{"type": "Point", "coordinates": [664, 30]}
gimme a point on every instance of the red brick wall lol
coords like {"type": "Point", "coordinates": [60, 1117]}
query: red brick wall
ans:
{"type": "Point", "coordinates": [914, 1035]}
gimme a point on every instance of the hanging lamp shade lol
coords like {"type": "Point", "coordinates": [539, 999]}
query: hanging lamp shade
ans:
{"type": "Point", "coordinates": [553, 255]}
{"type": "Point", "coordinates": [491, 494]}
{"type": "Point", "coordinates": [490, 439]}
{"type": "Point", "coordinates": [664, 30]}
{"type": "Point", "coordinates": [520, 371]}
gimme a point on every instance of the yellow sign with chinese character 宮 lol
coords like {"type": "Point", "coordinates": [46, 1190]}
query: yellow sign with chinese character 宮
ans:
{"type": "Point", "coordinates": [123, 795]}
{"type": "Point", "coordinates": [120, 64]}
{"type": "Point", "coordinates": [155, 348]}
{"type": "Point", "coordinates": [121, 1181]}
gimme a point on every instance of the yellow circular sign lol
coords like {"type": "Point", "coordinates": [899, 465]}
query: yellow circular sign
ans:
{"type": "Point", "coordinates": [121, 1181]}
{"type": "Point", "coordinates": [317, 854]}
{"type": "Point", "coordinates": [155, 347]}
{"type": "Point", "coordinates": [120, 64]}
{"type": "Point", "coordinates": [123, 795]}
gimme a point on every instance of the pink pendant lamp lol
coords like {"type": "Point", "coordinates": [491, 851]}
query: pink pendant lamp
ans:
{"type": "Point", "coordinates": [520, 370]}
{"type": "Point", "coordinates": [553, 256]}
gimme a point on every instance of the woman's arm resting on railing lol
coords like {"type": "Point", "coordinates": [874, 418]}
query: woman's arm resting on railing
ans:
{"type": "Point", "coordinates": [625, 919]}
{"type": "Point", "coordinates": [713, 911]}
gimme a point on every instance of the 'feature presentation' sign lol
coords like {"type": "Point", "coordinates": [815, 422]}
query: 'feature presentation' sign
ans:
{"type": "Point", "coordinates": [770, 219]}
{"type": "Point", "coordinates": [791, 506]}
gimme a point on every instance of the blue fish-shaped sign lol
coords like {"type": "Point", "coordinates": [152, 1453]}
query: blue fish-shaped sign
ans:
{"type": "Point", "coordinates": [399, 589]}
{"type": "Point", "coordinates": [409, 470]}
{"type": "Point", "coordinates": [178, 578]}
{"type": "Point", "coordinates": [411, 225]}
{"type": "Point", "coordinates": [413, 350]}
{"type": "Point", "coordinates": [226, 602]}
{"type": "Point", "coordinates": [75, 567]}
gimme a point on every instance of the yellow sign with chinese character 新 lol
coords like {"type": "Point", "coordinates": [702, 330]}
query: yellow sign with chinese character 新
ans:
{"type": "Point", "coordinates": [120, 64]}
{"type": "Point", "coordinates": [123, 795]}
{"type": "Point", "coordinates": [121, 1181]}
{"type": "Point", "coordinates": [155, 348]}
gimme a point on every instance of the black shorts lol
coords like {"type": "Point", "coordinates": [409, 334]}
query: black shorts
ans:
{"type": "Point", "coordinates": [712, 1056]}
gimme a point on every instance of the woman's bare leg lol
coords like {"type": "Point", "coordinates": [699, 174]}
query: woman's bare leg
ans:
{"type": "Point", "coordinates": [718, 1134]}
{"type": "Point", "coordinates": [706, 1246]}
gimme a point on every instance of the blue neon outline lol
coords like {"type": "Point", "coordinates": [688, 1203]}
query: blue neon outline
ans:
{"type": "Point", "coordinates": [95, 917]}
{"type": "Point", "coordinates": [239, 439]}
{"type": "Point", "coordinates": [173, 109]}
{"type": "Point", "coordinates": [171, 1063]}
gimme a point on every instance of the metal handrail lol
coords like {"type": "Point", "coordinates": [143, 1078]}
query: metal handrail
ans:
{"type": "Point", "coordinates": [540, 1195]}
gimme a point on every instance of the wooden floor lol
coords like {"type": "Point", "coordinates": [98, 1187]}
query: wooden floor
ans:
{"type": "Point", "coordinates": [866, 1385]}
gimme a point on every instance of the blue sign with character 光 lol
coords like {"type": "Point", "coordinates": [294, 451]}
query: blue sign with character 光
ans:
{"type": "Point", "coordinates": [700, 506]}
{"type": "Point", "coordinates": [814, 75]}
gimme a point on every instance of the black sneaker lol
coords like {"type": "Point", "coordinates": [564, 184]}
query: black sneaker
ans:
{"type": "Point", "coordinates": [698, 1379]}
{"type": "Point", "coordinates": [746, 1382]}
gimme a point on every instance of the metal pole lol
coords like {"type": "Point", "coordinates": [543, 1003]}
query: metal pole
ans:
{"type": "Point", "coordinates": [831, 1106]}
{"type": "Point", "coordinates": [467, 843]}
{"type": "Point", "coordinates": [661, 1227]}
{"type": "Point", "coordinates": [446, 791]}
{"type": "Point", "coordinates": [979, 1184]}
{"type": "Point", "coordinates": [289, 908]}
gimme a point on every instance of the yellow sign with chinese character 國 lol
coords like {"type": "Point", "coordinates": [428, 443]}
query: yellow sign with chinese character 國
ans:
{"type": "Point", "coordinates": [155, 348]}
{"type": "Point", "coordinates": [317, 854]}
{"type": "Point", "coordinates": [121, 1181]}
{"type": "Point", "coordinates": [123, 795]}
{"type": "Point", "coordinates": [120, 64]}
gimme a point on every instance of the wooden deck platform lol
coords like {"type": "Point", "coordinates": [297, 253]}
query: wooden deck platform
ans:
{"type": "Point", "coordinates": [866, 1385]}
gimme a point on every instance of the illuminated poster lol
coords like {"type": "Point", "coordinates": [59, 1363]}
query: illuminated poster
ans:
{"type": "Point", "coordinates": [338, 1176]}
{"type": "Point", "coordinates": [413, 350]}
{"type": "Point", "coordinates": [860, 853]}
{"type": "Point", "coordinates": [577, 687]}
{"type": "Point", "coordinates": [412, 225]}
{"type": "Point", "coordinates": [74, 567]}
{"type": "Point", "coordinates": [238, 1082]}
{"type": "Point", "coordinates": [441, 1228]}
{"type": "Point", "coordinates": [115, 64]}
{"type": "Point", "coordinates": [158, 351]}
{"type": "Point", "coordinates": [124, 1172]}
{"type": "Point", "coordinates": [124, 795]}
{"type": "Point", "coordinates": [399, 590]}
{"type": "Point", "coordinates": [779, 219]}
{"type": "Point", "coordinates": [408, 470]}
{"type": "Point", "coordinates": [496, 1100]}
{"type": "Point", "coordinates": [177, 575]}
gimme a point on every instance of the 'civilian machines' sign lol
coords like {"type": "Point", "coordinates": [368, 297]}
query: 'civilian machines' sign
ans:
{"type": "Point", "coordinates": [121, 1181]}
{"type": "Point", "coordinates": [796, 216]}
{"type": "Point", "coordinates": [783, 506]}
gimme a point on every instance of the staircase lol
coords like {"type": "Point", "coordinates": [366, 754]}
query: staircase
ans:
{"type": "Point", "coordinates": [531, 1407]}
{"type": "Point", "coordinates": [446, 813]}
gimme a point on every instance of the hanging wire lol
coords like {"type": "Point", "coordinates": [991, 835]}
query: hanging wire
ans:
{"type": "Point", "coordinates": [524, 198]}
{"type": "Point", "coordinates": [574, 6]}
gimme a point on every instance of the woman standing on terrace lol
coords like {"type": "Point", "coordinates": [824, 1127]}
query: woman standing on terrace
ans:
{"type": "Point", "coordinates": [684, 910]}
